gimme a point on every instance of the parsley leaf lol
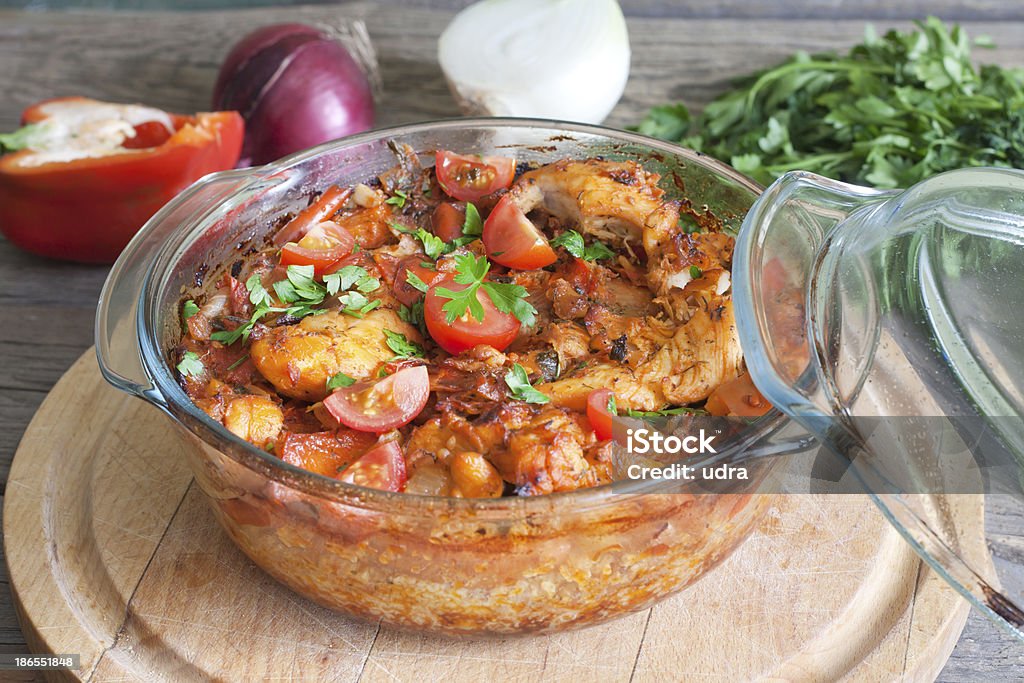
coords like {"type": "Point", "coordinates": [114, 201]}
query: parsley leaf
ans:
{"type": "Point", "coordinates": [338, 381]}
{"type": "Point", "coordinates": [473, 226]}
{"type": "Point", "coordinates": [398, 199]}
{"type": "Point", "coordinates": [414, 316]}
{"type": "Point", "coordinates": [257, 294]}
{"type": "Point", "coordinates": [612, 407]}
{"type": "Point", "coordinates": [238, 362]}
{"type": "Point", "coordinates": [344, 278]}
{"type": "Point", "coordinates": [597, 251]}
{"type": "Point", "coordinates": [573, 243]}
{"type": "Point", "coordinates": [665, 412]}
{"type": "Point", "coordinates": [507, 298]}
{"type": "Point", "coordinates": [414, 280]}
{"type": "Point", "coordinates": [510, 298]}
{"type": "Point", "coordinates": [190, 365]}
{"type": "Point", "coordinates": [188, 309]}
{"type": "Point", "coordinates": [519, 384]}
{"type": "Point", "coordinates": [433, 246]}
{"type": "Point", "coordinates": [696, 272]}
{"type": "Point", "coordinates": [401, 345]}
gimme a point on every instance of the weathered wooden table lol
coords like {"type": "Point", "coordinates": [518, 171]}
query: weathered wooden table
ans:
{"type": "Point", "coordinates": [684, 51]}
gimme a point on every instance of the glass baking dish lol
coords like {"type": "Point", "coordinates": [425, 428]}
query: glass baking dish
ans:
{"type": "Point", "coordinates": [457, 566]}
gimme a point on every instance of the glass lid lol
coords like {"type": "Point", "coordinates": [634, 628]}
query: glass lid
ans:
{"type": "Point", "coordinates": [890, 325]}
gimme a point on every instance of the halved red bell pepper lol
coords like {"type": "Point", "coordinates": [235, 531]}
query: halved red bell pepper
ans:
{"type": "Point", "coordinates": [82, 190]}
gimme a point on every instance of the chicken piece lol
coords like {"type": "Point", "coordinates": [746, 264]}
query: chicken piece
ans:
{"type": "Point", "coordinates": [471, 382]}
{"type": "Point", "coordinates": [674, 365]}
{"type": "Point", "coordinates": [702, 354]}
{"type": "Point", "coordinates": [630, 391]}
{"type": "Point", "coordinates": [326, 453]}
{"type": "Point", "coordinates": [257, 419]}
{"type": "Point", "coordinates": [570, 341]}
{"type": "Point", "coordinates": [675, 255]}
{"type": "Point", "coordinates": [474, 476]}
{"type": "Point", "coordinates": [548, 453]}
{"type": "Point", "coordinates": [615, 202]}
{"type": "Point", "coordinates": [299, 359]}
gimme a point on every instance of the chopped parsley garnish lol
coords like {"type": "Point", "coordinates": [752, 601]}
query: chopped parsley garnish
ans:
{"type": "Point", "coordinates": [695, 272]}
{"type": "Point", "coordinates": [188, 309]}
{"type": "Point", "coordinates": [414, 280]}
{"type": "Point", "coordinates": [401, 345]}
{"type": "Point", "coordinates": [612, 407]}
{"type": "Point", "coordinates": [238, 362]}
{"type": "Point", "coordinates": [338, 381]}
{"type": "Point", "coordinates": [190, 365]}
{"type": "Point", "coordinates": [573, 243]}
{"type": "Point", "coordinates": [519, 384]}
{"type": "Point", "coordinates": [257, 294]}
{"type": "Point", "coordinates": [414, 316]}
{"type": "Point", "coordinates": [356, 304]}
{"type": "Point", "coordinates": [473, 226]}
{"type": "Point", "coordinates": [665, 412]}
{"type": "Point", "coordinates": [398, 199]}
{"type": "Point", "coordinates": [348, 276]}
{"type": "Point", "coordinates": [507, 298]}
{"type": "Point", "coordinates": [435, 247]}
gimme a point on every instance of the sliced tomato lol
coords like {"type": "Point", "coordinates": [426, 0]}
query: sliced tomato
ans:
{"type": "Point", "coordinates": [737, 397]}
{"type": "Point", "coordinates": [383, 467]}
{"type": "Point", "coordinates": [325, 453]}
{"type": "Point", "coordinates": [469, 178]}
{"type": "Point", "coordinates": [598, 413]}
{"type": "Point", "coordinates": [447, 221]}
{"type": "Point", "coordinates": [148, 134]}
{"type": "Point", "coordinates": [322, 246]}
{"type": "Point", "coordinates": [326, 205]}
{"type": "Point", "coordinates": [406, 293]}
{"type": "Point", "coordinates": [497, 329]}
{"type": "Point", "coordinates": [380, 405]}
{"type": "Point", "coordinates": [512, 240]}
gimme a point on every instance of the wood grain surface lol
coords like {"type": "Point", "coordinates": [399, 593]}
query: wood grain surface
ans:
{"type": "Point", "coordinates": [170, 60]}
{"type": "Point", "coordinates": [106, 530]}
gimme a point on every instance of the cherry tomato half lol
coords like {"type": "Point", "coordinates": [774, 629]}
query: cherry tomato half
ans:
{"type": "Point", "coordinates": [323, 245]}
{"type": "Point", "coordinates": [406, 293]}
{"type": "Point", "coordinates": [468, 178]}
{"type": "Point", "coordinates": [380, 405]}
{"type": "Point", "coordinates": [447, 221]}
{"type": "Point", "coordinates": [737, 397]}
{"type": "Point", "coordinates": [496, 329]}
{"type": "Point", "coordinates": [598, 414]}
{"type": "Point", "coordinates": [512, 240]}
{"type": "Point", "coordinates": [383, 467]}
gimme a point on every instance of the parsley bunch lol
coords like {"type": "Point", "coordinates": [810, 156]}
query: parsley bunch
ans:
{"type": "Point", "coordinates": [507, 298]}
{"type": "Point", "coordinates": [893, 111]}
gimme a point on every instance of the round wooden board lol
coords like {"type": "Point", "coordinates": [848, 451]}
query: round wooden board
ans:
{"type": "Point", "coordinates": [114, 555]}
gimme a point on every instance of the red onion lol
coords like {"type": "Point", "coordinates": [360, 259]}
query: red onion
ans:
{"type": "Point", "coordinates": [295, 87]}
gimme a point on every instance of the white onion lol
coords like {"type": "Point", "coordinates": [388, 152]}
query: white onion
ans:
{"type": "Point", "coordinates": [559, 59]}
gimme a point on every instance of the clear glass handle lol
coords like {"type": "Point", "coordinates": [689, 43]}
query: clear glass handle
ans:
{"type": "Point", "coordinates": [118, 311]}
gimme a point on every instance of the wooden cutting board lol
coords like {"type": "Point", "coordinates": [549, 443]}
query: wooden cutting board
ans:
{"type": "Point", "coordinates": [114, 555]}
